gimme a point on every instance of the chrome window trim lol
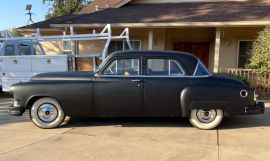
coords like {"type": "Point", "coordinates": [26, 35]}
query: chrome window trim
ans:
{"type": "Point", "coordinates": [169, 66]}
{"type": "Point", "coordinates": [197, 66]}
{"type": "Point", "coordinates": [146, 76]}
{"type": "Point", "coordinates": [161, 76]}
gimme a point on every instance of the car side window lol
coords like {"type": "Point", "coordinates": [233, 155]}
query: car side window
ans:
{"type": "Point", "coordinates": [165, 67]}
{"type": "Point", "coordinates": [123, 67]}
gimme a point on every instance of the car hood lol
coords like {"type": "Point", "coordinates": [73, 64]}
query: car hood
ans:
{"type": "Point", "coordinates": [64, 76]}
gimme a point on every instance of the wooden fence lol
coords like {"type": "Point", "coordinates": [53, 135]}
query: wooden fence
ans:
{"type": "Point", "coordinates": [259, 81]}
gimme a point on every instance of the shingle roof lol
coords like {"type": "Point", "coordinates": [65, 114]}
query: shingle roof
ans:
{"type": "Point", "coordinates": [179, 12]}
{"type": "Point", "coordinates": [102, 4]}
{"type": "Point", "coordinates": [172, 12]}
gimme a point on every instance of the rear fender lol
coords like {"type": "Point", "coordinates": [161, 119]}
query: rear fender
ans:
{"type": "Point", "coordinates": [226, 98]}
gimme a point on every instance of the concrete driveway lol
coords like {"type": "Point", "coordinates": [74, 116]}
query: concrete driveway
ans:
{"type": "Point", "coordinates": [238, 138]}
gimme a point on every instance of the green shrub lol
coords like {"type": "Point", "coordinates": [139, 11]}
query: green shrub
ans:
{"type": "Point", "coordinates": [260, 55]}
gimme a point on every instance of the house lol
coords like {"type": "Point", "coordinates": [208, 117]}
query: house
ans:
{"type": "Point", "coordinates": [219, 32]}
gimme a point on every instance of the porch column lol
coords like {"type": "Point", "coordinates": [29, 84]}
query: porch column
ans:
{"type": "Point", "coordinates": [217, 50]}
{"type": "Point", "coordinates": [150, 39]}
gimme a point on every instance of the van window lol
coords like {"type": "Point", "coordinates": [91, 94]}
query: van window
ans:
{"type": "Point", "coordinates": [9, 50]}
{"type": "Point", "coordinates": [38, 50]}
{"type": "Point", "coordinates": [24, 49]}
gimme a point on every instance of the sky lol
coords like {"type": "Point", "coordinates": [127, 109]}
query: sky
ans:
{"type": "Point", "coordinates": [12, 12]}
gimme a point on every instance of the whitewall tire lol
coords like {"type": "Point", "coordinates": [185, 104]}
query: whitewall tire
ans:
{"type": "Point", "coordinates": [206, 119]}
{"type": "Point", "coordinates": [47, 113]}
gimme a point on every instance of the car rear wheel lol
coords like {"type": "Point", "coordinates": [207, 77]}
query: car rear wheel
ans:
{"type": "Point", "coordinates": [206, 119]}
{"type": "Point", "coordinates": [47, 113]}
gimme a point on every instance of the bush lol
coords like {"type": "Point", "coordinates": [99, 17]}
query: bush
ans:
{"type": "Point", "coordinates": [260, 58]}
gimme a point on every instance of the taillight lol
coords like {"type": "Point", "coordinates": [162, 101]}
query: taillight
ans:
{"type": "Point", "coordinates": [256, 95]}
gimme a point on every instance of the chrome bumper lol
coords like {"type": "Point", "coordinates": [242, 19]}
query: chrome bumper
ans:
{"type": "Point", "coordinates": [15, 111]}
{"type": "Point", "coordinates": [259, 108]}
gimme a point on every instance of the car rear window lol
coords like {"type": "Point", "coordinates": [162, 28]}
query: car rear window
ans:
{"type": "Point", "coordinates": [201, 70]}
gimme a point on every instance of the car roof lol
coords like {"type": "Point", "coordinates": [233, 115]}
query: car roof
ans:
{"type": "Point", "coordinates": [151, 53]}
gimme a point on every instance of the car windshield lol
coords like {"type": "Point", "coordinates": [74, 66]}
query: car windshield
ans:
{"type": "Point", "coordinates": [201, 70]}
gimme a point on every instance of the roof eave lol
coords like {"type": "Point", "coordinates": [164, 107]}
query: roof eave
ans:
{"type": "Point", "coordinates": [122, 3]}
{"type": "Point", "coordinates": [172, 24]}
{"type": "Point", "coordinates": [34, 29]}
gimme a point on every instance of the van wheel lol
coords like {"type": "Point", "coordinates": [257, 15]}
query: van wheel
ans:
{"type": "Point", "coordinates": [206, 119]}
{"type": "Point", "coordinates": [47, 113]}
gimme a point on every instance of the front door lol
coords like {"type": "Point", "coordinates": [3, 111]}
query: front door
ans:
{"type": "Point", "coordinates": [199, 49]}
{"type": "Point", "coordinates": [118, 89]}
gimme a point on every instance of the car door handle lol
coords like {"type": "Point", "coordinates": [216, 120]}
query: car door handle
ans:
{"type": "Point", "coordinates": [136, 80]}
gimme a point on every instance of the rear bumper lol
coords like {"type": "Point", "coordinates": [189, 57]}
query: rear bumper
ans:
{"type": "Point", "coordinates": [15, 111]}
{"type": "Point", "coordinates": [259, 108]}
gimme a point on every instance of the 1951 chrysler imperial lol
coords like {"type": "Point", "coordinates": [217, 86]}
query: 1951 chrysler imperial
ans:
{"type": "Point", "coordinates": [136, 84]}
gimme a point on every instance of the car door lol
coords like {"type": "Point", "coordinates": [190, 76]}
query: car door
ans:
{"type": "Point", "coordinates": [118, 88]}
{"type": "Point", "coordinates": [163, 82]}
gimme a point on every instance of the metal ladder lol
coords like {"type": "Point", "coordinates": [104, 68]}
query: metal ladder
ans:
{"type": "Point", "coordinates": [105, 34]}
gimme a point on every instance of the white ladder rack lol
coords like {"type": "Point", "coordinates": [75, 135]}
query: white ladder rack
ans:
{"type": "Point", "coordinates": [105, 34]}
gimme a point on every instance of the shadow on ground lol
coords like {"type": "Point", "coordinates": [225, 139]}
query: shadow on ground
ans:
{"type": "Point", "coordinates": [228, 123]}
{"type": "Point", "coordinates": [128, 122]}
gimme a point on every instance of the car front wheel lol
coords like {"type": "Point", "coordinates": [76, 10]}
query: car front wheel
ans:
{"type": "Point", "coordinates": [47, 113]}
{"type": "Point", "coordinates": [206, 119]}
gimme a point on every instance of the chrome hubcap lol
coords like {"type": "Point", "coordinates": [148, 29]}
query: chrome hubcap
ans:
{"type": "Point", "coordinates": [47, 112]}
{"type": "Point", "coordinates": [206, 116]}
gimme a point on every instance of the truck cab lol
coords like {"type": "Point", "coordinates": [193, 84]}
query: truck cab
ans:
{"type": "Point", "coordinates": [22, 59]}
{"type": "Point", "coordinates": [20, 47]}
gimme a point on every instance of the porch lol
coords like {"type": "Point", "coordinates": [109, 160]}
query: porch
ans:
{"type": "Point", "coordinates": [217, 47]}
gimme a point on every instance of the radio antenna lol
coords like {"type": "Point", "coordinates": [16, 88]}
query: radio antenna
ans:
{"type": "Point", "coordinates": [29, 8]}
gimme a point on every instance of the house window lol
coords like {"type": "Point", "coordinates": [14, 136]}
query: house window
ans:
{"type": "Point", "coordinates": [24, 49]}
{"type": "Point", "coordinates": [122, 45]}
{"type": "Point", "coordinates": [244, 53]}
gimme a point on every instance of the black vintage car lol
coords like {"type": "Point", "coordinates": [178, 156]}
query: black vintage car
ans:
{"type": "Point", "coordinates": [136, 84]}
